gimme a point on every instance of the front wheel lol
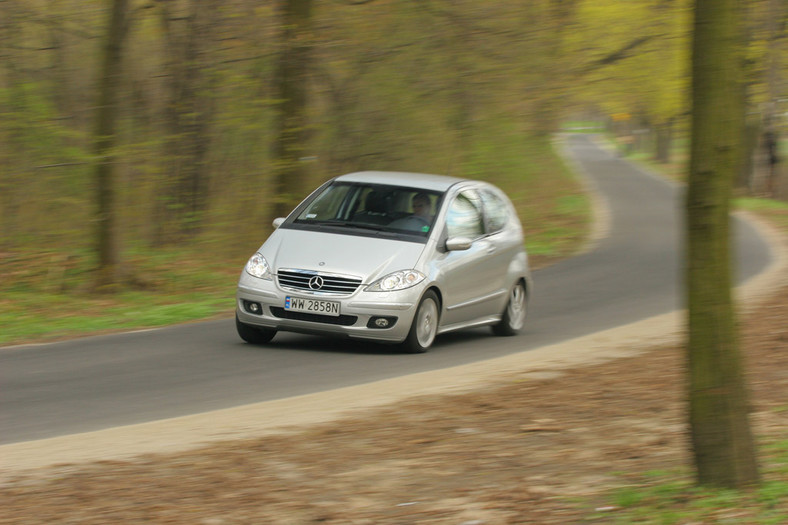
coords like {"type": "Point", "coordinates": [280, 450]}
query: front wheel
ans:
{"type": "Point", "coordinates": [425, 325]}
{"type": "Point", "coordinates": [252, 334]}
{"type": "Point", "coordinates": [516, 310]}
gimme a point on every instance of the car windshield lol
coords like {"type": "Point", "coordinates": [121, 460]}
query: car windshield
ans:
{"type": "Point", "coordinates": [358, 207]}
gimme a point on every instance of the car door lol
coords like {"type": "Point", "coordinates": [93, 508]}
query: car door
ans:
{"type": "Point", "coordinates": [468, 282]}
{"type": "Point", "coordinates": [505, 242]}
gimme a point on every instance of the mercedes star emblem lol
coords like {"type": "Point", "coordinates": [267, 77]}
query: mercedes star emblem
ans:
{"type": "Point", "coordinates": [316, 282]}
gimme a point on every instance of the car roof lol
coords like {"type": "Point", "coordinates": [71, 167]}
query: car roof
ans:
{"type": "Point", "coordinates": [400, 178]}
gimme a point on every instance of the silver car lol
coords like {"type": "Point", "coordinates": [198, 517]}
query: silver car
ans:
{"type": "Point", "coordinates": [390, 257]}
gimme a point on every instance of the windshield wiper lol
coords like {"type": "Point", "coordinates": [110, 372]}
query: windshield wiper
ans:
{"type": "Point", "coordinates": [339, 222]}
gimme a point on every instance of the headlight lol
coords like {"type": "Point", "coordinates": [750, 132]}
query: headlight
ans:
{"type": "Point", "coordinates": [258, 267]}
{"type": "Point", "coordinates": [396, 281]}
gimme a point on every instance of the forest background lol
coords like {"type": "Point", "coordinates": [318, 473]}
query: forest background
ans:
{"type": "Point", "coordinates": [474, 89]}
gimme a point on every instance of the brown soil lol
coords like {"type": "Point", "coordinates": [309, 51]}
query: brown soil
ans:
{"type": "Point", "coordinates": [545, 447]}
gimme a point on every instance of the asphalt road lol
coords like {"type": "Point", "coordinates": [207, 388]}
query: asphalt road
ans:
{"type": "Point", "coordinates": [634, 272]}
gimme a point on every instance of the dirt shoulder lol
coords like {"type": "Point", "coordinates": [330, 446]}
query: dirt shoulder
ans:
{"type": "Point", "coordinates": [510, 440]}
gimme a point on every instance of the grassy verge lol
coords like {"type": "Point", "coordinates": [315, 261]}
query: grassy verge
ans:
{"type": "Point", "coordinates": [47, 297]}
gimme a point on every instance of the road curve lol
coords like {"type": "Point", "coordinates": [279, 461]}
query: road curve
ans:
{"type": "Point", "coordinates": [95, 383]}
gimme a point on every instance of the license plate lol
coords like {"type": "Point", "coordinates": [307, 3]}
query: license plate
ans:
{"type": "Point", "coordinates": [312, 306]}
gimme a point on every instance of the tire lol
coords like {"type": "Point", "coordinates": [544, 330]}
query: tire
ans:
{"type": "Point", "coordinates": [252, 334]}
{"type": "Point", "coordinates": [516, 311]}
{"type": "Point", "coordinates": [425, 325]}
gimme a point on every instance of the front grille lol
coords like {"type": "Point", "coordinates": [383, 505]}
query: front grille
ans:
{"type": "Point", "coordinates": [316, 282]}
{"type": "Point", "coordinates": [341, 320]}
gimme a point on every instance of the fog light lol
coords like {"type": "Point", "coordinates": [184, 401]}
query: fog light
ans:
{"type": "Point", "coordinates": [253, 308]}
{"type": "Point", "coordinates": [381, 322]}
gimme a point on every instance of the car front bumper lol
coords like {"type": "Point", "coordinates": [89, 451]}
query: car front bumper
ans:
{"type": "Point", "coordinates": [359, 312]}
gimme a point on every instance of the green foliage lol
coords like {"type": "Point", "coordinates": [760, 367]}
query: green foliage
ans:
{"type": "Point", "coordinates": [430, 87]}
{"type": "Point", "coordinates": [43, 176]}
{"type": "Point", "coordinates": [635, 56]}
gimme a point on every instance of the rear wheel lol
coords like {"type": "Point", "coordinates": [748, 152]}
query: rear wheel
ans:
{"type": "Point", "coordinates": [425, 325]}
{"type": "Point", "coordinates": [253, 334]}
{"type": "Point", "coordinates": [516, 311]}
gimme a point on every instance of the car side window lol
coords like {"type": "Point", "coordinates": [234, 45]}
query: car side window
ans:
{"type": "Point", "coordinates": [496, 212]}
{"type": "Point", "coordinates": [464, 217]}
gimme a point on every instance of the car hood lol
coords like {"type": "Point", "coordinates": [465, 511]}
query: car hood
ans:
{"type": "Point", "coordinates": [366, 257]}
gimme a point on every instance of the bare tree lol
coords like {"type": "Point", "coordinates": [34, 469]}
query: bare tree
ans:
{"type": "Point", "coordinates": [292, 120]}
{"type": "Point", "coordinates": [718, 401]}
{"type": "Point", "coordinates": [104, 144]}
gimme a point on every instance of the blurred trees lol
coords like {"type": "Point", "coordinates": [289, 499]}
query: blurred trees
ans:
{"type": "Point", "coordinates": [719, 409]}
{"type": "Point", "coordinates": [768, 76]}
{"type": "Point", "coordinates": [633, 60]}
{"type": "Point", "coordinates": [292, 124]}
{"type": "Point", "coordinates": [45, 123]}
{"type": "Point", "coordinates": [187, 33]}
{"type": "Point", "coordinates": [201, 153]}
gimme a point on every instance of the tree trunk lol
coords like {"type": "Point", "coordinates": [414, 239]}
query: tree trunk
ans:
{"type": "Point", "coordinates": [188, 113]}
{"type": "Point", "coordinates": [104, 144]}
{"type": "Point", "coordinates": [292, 121]}
{"type": "Point", "coordinates": [11, 176]}
{"type": "Point", "coordinates": [721, 437]}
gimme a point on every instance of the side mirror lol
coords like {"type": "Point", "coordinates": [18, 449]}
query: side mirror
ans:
{"type": "Point", "coordinates": [278, 222]}
{"type": "Point", "coordinates": [457, 244]}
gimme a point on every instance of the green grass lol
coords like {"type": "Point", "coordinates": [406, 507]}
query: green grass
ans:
{"type": "Point", "coordinates": [776, 211]}
{"type": "Point", "coordinates": [48, 297]}
{"type": "Point", "coordinates": [46, 316]}
{"type": "Point", "coordinates": [667, 498]}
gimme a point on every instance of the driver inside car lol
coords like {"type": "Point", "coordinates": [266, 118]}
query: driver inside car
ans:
{"type": "Point", "coordinates": [422, 207]}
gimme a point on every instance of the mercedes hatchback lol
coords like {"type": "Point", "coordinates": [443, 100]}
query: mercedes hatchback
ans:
{"type": "Point", "coordinates": [389, 257]}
